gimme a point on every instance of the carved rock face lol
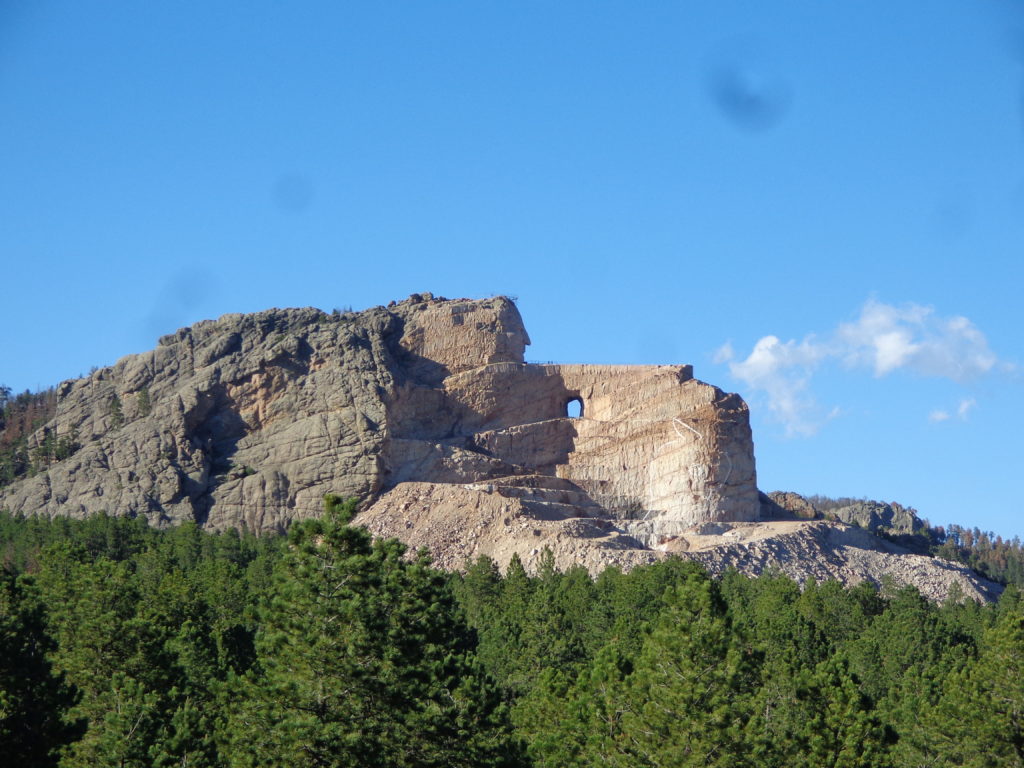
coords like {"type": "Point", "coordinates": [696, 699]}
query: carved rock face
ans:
{"type": "Point", "coordinates": [652, 448]}
{"type": "Point", "coordinates": [653, 445]}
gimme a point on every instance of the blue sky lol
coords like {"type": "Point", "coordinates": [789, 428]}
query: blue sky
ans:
{"type": "Point", "coordinates": [818, 205]}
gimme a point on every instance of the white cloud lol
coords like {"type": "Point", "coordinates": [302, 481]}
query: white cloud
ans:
{"type": "Point", "coordinates": [885, 338]}
{"type": "Point", "coordinates": [965, 407]}
{"type": "Point", "coordinates": [782, 372]}
{"type": "Point", "coordinates": [880, 337]}
{"type": "Point", "coordinates": [723, 354]}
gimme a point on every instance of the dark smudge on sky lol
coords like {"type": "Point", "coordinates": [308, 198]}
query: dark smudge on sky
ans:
{"type": "Point", "coordinates": [292, 193]}
{"type": "Point", "coordinates": [750, 98]}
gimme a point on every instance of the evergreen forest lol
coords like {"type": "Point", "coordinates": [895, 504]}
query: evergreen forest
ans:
{"type": "Point", "coordinates": [123, 645]}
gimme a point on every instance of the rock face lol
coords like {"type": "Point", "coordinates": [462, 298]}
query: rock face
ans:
{"type": "Point", "coordinates": [786, 504]}
{"type": "Point", "coordinates": [427, 411]}
{"type": "Point", "coordinates": [874, 516]}
{"type": "Point", "coordinates": [877, 516]}
{"type": "Point", "coordinates": [250, 419]}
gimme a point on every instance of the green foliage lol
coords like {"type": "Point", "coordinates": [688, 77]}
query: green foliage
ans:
{"type": "Point", "coordinates": [51, 449]}
{"type": "Point", "coordinates": [34, 700]}
{"type": "Point", "coordinates": [125, 645]}
{"type": "Point", "coordinates": [339, 508]}
{"type": "Point", "coordinates": [979, 721]}
{"type": "Point", "coordinates": [116, 411]}
{"type": "Point", "coordinates": [687, 701]}
{"type": "Point", "coordinates": [839, 727]}
{"type": "Point", "coordinates": [994, 557]}
{"type": "Point", "coordinates": [144, 402]}
{"type": "Point", "coordinates": [146, 626]}
{"type": "Point", "coordinates": [107, 653]}
{"type": "Point", "coordinates": [363, 659]}
{"type": "Point", "coordinates": [578, 723]}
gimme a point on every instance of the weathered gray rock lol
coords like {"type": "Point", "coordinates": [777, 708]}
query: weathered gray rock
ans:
{"type": "Point", "coordinates": [878, 516]}
{"type": "Point", "coordinates": [874, 516]}
{"type": "Point", "coordinates": [786, 504]}
{"type": "Point", "coordinates": [251, 419]}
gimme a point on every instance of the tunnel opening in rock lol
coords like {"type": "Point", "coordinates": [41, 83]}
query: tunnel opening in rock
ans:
{"type": "Point", "coordinates": [574, 408]}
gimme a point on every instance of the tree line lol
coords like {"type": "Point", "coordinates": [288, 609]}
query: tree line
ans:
{"type": "Point", "coordinates": [125, 645]}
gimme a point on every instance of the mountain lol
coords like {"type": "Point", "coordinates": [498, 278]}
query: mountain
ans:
{"type": "Point", "coordinates": [426, 410]}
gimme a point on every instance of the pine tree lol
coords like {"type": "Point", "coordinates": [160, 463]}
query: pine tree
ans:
{"type": "Point", "coordinates": [979, 723]}
{"type": "Point", "coordinates": [579, 725]}
{"type": "Point", "coordinates": [116, 659]}
{"type": "Point", "coordinates": [688, 698]}
{"type": "Point", "coordinates": [33, 699]}
{"type": "Point", "coordinates": [363, 661]}
{"type": "Point", "coordinates": [504, 639]}
{"type": "Point", "coordinates": [116, 411]}
{"type": "Point", "coordinates": [838, 727]}
{"type": "Point", "coordinates": [145, 403]}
